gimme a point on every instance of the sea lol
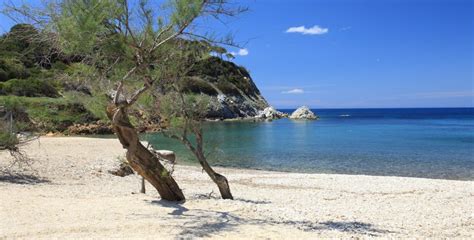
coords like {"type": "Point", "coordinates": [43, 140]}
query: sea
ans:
{"type": "Point", "coordinates": [409, 142]}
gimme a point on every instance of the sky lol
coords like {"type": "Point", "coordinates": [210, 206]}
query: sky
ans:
{"type": "Point", "coordinates": [355, 53]}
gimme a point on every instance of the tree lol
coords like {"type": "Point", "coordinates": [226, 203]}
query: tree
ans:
{"type": "Point", "coordinates": [184, 112]}
{"type": "Point", "coordinates": [185, 115]}
{"type": "Point", "coordinates": [129, 43]}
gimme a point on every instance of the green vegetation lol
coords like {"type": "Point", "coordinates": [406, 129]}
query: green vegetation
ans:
{"type": "Point", "coordinates": [95, 104]}
{"type": "Point", "coordinates": [50, 114]}
{"type": "Point", "coordinates": [12, 68]}
{"type": "Point", "coordinates": [28, 88]}
{"type": "Point", "coordinates": [196, 85]}
{"type": "Point", "coordinates": [226, 75]}
{"type": "Point", "coordinates": [33, 72]}
{"type": "Point", "coordinates": [8, 140]}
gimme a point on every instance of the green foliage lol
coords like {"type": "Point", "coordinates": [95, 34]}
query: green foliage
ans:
{"type": "Point", "coordinates": [8, 125]}
{"type": "Point", "coordinates": [83, 24]}
{"type": "Point", "coordinates": [222, 72]}
{"type": "Point", "coordinates": [8, 140]}
{"type": "Point", "coordinates": [51, 114]}
{"type": "Point", "coordinates": [95, 104]}
{"type": "Point", "coordinates": [227, 88]}
{"type": "Point", "coordinates": [27, 45]}
{"type": "Point", "coordinates": [196, 85]}
{"type": "Point", "coordinates": [12, 68]}
{"type": "Point", "coordinates": [3, 75]}
{"type": "Point", "coordinates": [181, 109]}
{"type": "Point", "coordinates": [79, 71]}
{"type": "Point", "coordinates": [20, 38]}
{"type": "Point", "coordinates": [28, 88]}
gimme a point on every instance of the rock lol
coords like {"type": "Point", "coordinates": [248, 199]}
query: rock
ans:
{"type": "Point", "coordinates": [303, 113]}
{"type": "Point", "coordinates": [271, 113]}
{"type": "Point", "coordinates": [53, 134]}
{"type": "Point", "coordinates": [229, 106]}
{"type": "Point", "coordinates": [49, 134]}
{"type": "Point", "coordinates": [123, 170]}
{"type": "Point", "coordinates": [166, 154]}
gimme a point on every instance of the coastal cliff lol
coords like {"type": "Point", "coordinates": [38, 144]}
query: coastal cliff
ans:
{"type": "Point", "coordinates": [233, 94]}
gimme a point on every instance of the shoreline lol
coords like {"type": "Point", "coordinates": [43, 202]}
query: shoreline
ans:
{"type": "Point", "coordinates": [193, 164]}
{"type": "Point", "coordinates": [73, 196]}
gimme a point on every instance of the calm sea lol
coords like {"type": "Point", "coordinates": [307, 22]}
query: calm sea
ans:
{"type": "Point", "coordinates": [429, 143]}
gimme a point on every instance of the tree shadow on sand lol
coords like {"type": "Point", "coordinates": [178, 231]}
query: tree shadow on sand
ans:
{"type": "Point", "coordinates": [212, 196]}
{"type": "Point", "coordinates": [206, 222]}
{"type": "Point", "coordinates": [21, 178]}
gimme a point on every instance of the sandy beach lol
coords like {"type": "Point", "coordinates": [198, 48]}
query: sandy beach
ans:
{"type": "Point", "coordinates": [70, 194]}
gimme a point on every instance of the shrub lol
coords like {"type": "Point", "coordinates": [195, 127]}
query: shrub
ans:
{"type": "Point", "coordinates": [194, 85]}
{"type": "Point", "coordinates": [95, 104]}
{"type": "Point", "coordinates": [217, 70]}
{"type": "Point", "coordinates": [8, 140]}
{"type": "Point", "coordinates": [28, 88]}
{"type": "Point", "coordinates": [3, 75]}
{"type": "Point", "coordinates": [13, 68]}
{"type": "Point", "coordinates": [50, 114]}
{"type": "Point", "coordinates": [227, 88]}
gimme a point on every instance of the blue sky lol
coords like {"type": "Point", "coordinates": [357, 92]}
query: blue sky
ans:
{"type": "Point", "coordinates": [356, 53]}
{"type": "Point", "coordinates": [367, 53]}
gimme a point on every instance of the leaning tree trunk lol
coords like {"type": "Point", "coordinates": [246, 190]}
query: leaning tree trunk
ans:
{"type": "Point", "coordinates": [218, 179]}
{"type": "Point", "coordinates": [140, 158]}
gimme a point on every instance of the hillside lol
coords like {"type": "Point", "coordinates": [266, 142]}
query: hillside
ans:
{"type": "Point", "coordinates": [232, 90]}
{"type": "Point", "coordinates": [53, 91]}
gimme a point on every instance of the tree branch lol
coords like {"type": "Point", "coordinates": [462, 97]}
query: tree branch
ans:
{"type": "Point", "coordinates": [182, 28]}
{"type": "Point", "coordinates": [118, 92]}
{"type": "Point", "coordinates": [137, 94]}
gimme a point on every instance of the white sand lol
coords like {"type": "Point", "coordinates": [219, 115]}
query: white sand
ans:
{"type": "Point", "coordinates": [77, 198]}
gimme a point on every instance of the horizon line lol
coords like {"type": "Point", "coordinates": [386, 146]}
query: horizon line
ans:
{"type": "Point", "coordinates": [375, 107]}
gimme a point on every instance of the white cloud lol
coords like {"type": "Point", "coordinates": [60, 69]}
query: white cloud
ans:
{"type": "Point", "coordinates": [315, 30]}
{"type": "Point", "coordinates": [241, 52]}
{"type": "Point", "coordinates": [294, 91]}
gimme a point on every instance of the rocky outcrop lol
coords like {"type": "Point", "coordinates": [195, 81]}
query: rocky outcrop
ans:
{"type": "Point", "coordinates": [230, 106]}
{"type": "Point", "coordinates": [270, 113]}
{"type": "Point", "coordinates": [303, 113]}
{"type": "Point", "coordinates": [233, 94]}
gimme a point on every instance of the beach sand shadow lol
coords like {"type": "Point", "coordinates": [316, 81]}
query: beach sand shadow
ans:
{"type": "Point", "coordinates": [178, 208]}
{"type": "Point", "coordinates": [201, 223]}
{"type": "Point", "coordinates": [21, 178]}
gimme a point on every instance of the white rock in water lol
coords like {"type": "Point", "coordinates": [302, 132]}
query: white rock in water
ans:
{"type": "Point", "coordinates": [271, 113]}
{"type": "Point", "coordinates": [303, 113]}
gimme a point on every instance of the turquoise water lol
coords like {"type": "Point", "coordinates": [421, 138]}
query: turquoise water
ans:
{"type": "Point", "coordinates": [430, 143]}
